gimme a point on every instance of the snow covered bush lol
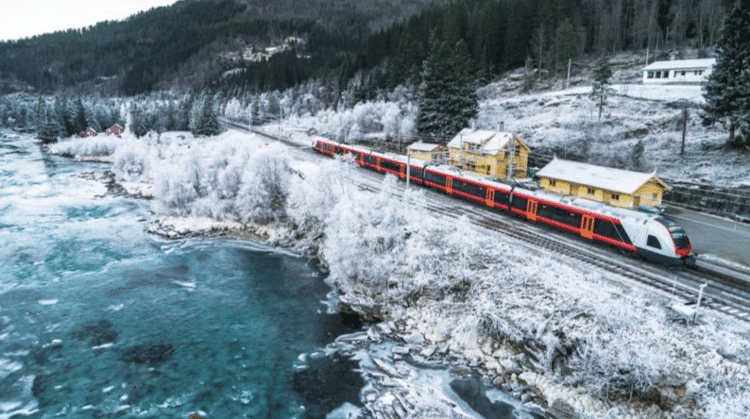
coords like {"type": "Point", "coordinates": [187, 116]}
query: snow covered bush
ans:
{"type": "Point", "coordinates": [365, 121]}
{"type": "Point", "coordinates": [96, 146]}
{"type": "Point", "coordinates": [130, 159]}
{"type": "Point", "coordinates": [265, 185]}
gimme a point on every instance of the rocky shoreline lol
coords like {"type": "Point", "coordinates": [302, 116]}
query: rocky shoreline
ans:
{"type": "Point", "coordinates": [395, 350]}
{"type": "Point", "coordinates": [502, 365]}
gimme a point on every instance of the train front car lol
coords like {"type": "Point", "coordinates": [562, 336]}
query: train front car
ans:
{"type": "Point", "coordinates": [660, 240]}
{"type": "Point", "coordinates": [680, 240]}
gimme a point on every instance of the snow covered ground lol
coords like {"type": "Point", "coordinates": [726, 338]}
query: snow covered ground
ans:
{"type": "Point", "coordinates": [550, 332]}
{"type": "Point", "coordinates": [566, 123]}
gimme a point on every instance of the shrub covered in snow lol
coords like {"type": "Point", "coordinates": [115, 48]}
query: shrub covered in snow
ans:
{"type": "Point", "coordinates": [96, 146]}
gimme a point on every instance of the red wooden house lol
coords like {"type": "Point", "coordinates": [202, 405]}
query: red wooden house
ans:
{"type": "Point", "coordinates": [90, 132]}
{"type": "Point", "coordinates": [115, 129]}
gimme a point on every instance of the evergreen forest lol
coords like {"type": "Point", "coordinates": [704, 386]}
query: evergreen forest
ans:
{"type": "Point", "coordinates": [196, 44]}
{"type": "Point", "coordinates": [261, 60]}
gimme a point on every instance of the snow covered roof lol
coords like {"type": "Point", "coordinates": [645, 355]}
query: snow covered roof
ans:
{"type": "Point", "coordinates": [420, 146]}
{"type": "Point", "coordinates": [607, 178]}
{"type": "Point", "coordinates": [490, 142]}
{"type": "Point", "coordinates": [681, 64]}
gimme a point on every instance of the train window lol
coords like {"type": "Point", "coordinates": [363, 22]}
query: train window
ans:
{"type": "Point", "coordinates": [468, 188]}
{"type": "Point", "coordinates": [653, 242]}
{"type": "Point", "coordinates": [560, 215]}
{"type": "Point", "coordinates": [502, 197]}
{"type": "Point", "coordinates": [434, 178]}
{"type": "Point", "coordinates": [519, 203]}
{"type": "Point", "coordinates": [389, 165]}
{"type": "Point", "coordinates": [417, 172]}
{"type": "Point", "coordinates": [370, 159]}
{"type": "Point", "coordinates": [611, 230]}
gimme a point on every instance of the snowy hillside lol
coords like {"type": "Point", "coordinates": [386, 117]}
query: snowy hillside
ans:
{"type": "Point", "coordinates": [565, 123]}
{"type": "Point", "coordinates": [554, 121]}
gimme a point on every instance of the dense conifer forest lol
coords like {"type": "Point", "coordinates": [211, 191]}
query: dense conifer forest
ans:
{"type": "Point", "coordinates": [195, 44]}
{"type": "Point", "coordinates": [261, 60]}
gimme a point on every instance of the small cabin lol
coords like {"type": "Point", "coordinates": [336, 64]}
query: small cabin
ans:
{"type": "Point", "coordinates": [115, 129]}
{"type": "Point", "coordinates": [678, 71]}
{"type": "Point", "coordinates": [489, 153]}
{"type": "Point", "coordinates": [427, 151]}
{"type": "Point", "coordinates": [90, 132]}
{"type": "Point", "coordinates": [616, 187]}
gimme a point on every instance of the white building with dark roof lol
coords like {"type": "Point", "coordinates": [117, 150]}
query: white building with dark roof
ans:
{"type": "Point", "coordinates": [678, 71]}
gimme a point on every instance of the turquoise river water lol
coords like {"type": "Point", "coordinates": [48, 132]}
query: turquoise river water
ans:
{"type": "Point", "coordinates": [100, 319]}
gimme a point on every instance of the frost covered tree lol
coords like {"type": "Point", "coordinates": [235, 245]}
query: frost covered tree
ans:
{"type": "Point", "coordinates": [600, 89]}
{"type": "Point", "coordinates": [208, 123]}
{"type": "Point", "coordinates": [447, 97]}
{"type": "Point", "coordinates": [47, 128]}
{"type": "Point", "coordinates": [638, 161]}
{"type": "Point", "coordinates": [77, 116]}
{"type": "Point", "coordinates": [727, 92]}
{"type": "Point", "coordinates": [138, 123]}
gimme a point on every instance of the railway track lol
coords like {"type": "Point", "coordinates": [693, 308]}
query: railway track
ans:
{"type": "Point", "coordinates": [682, 284]}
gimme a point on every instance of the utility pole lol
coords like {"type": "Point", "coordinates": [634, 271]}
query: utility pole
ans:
{"type": "Point", "coordinates": [408, 169]}
{"type": "Point", "coordinates": [567, 83]}
{"type": "Point", "coordinates": [684, 127]}
{"type": "Point", "coordinates": [698, 304]}
{"type": "Point", "coordinates": [511, 157]}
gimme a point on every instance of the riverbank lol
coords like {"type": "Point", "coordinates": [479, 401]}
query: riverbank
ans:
{"type": "Point", "coordinates": [577, 341]}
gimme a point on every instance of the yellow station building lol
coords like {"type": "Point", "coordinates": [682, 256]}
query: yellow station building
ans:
{"type": "Point", "coordinates": [616, 187]}
{"type": "Point", "coordinates": [428, 151]}
{"type": "Point", "coordinates": [489, 153]}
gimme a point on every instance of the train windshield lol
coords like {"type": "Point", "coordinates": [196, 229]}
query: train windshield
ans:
{"type": "Point", "coordinates": [678, 233]}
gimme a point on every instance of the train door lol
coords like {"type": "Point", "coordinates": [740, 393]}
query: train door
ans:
{"type": "Point", "coordinates": [377, 159]}
{"type": "Point", "coordinates": [587, 226]}
{"type": "Point", "coordinates": [531, 207]}
{"type": "Point", "coordinates": [449, 185]}
{"type": "Point", "coordinates": [402, 172]}
{"type": "Point", "coordinates": [489, 198]}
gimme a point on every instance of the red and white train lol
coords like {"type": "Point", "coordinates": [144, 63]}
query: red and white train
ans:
{"type": "Point", "coordinates": [652, 236]}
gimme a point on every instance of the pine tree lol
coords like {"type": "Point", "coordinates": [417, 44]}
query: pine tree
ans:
{"type": "Point", "coordinates": [61, 117]}
{"type": "Point", "coordinates": [49, 130]}
{"type": "Point", "coordinates": [727, 92]}
{"type": "Point", "coordinates": [77, 115]}
{"type": "Point", "coordinates": [209, 122]}
{"type": "Point", "coordinates": [600, 89]}
{"type": "Point", "coordinates": [182, 123]}
{"type": "Point", "coordinates": [638, 158]}
{"type": "Point", "coordinates": [41, 114]}
{"type": "Point", "coordinates": [447, 97]}
{"type": "Point", "coordinates": [138, 123]}
{"type": "Point", "coordinates": [566, 44]}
